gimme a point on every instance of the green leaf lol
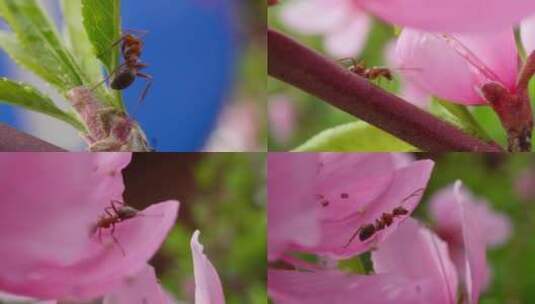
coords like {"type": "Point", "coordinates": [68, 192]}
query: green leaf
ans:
{"type": "Point", "coordinates": [78, 41]}
{"type": "Point", "coordinates": [355, 136]}
{"type": "Point", "coordinates": [102, 24]}
{"type": "Point", "coordinates": [25, 96]}
{"type": "Point", "coordinates": [458, 115]}
{"type": "Point", "coordinates": [11, 45]}
{"type": "Point", "coordinates": [39, 40]}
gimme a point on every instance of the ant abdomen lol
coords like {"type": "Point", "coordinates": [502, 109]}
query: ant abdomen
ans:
{"type": "Point", "coordinates": [123, 78]}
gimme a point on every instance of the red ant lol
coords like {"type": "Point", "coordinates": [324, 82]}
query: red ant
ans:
{"type": "Point", "coordinates": [372, 73]}
{"type": "Point", "coordinates": [125, 74]}
{"type": "Point", "coordinates": [114, 214]}
{"type": "Point", "coordinates": [366, 231]}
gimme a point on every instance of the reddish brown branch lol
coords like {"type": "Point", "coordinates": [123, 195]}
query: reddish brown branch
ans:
{"type": "Point", "coordinates": [12, 140]}
{"type": "Point", "coordinates": [299, 66]}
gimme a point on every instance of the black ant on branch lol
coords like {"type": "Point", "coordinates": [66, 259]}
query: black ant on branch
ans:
{"type": "Point", "coordinates": [125, 74]}
{"type": "Point", "coordinates": [366, 231]}
{"type": "Point", "coordinates": [116, 213]}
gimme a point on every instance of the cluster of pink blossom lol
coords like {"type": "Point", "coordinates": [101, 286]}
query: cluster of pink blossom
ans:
{"type": "Point", "coordinates": [50, 251]}
{"type": "Point", "coordinates": [317, 203]}
{"type": "Point", "coordinates": [460, 52]}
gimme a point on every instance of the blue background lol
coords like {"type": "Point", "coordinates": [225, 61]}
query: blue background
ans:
{"type": "Point", "coordinates": [191, 49]}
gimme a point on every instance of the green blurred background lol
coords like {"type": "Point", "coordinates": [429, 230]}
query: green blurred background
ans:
{"type": "Point", "coordinates": [495, 178]}
{"type": "Point", "coordinates": [222, 195]}
{"type": "Point", "coordinates": [313, 115]}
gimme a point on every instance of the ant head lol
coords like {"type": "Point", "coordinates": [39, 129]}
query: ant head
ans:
{"type": "Point", "coordinates": [126, 212]}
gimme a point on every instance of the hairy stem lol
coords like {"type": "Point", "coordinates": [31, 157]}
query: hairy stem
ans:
{"type": "Point", "coordinates": [299, 66]}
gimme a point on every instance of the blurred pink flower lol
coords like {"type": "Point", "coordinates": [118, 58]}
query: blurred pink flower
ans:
{"type": "Point", "coordinates": [238, 129]}
{"type": "Point", "coordinates": [524, 185]}
{"type": "Point", "coordinates": [456, 66]}
{"type": "Point", "coordinates": [50, 202]}
{"type": "Point", "coordinates": [208, 288]}
{"type": "Point", "coordinates": [282, 118]}
{"type": "Point", "coordinates": [316, 205]}
{"type": "Point", "coordinates": [468, 226]}
{"type": "Point", "coordinates": [497, 226]}
{"type": "Point", "coordinates": [342, 23]}
{"type": "Point", "coordinates": [527, 34]}
{"type": "Point", "coordinates": [451, 16]}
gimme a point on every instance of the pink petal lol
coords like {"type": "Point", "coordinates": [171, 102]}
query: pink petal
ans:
{"type": "Point", "coordinates": [414, 252]}
{"type": "Point", "coordinates": [102, 267]}
{"type": "Point", "coordinates": [454, 67]}
{"type": "Point", "coordinates": [452, 15]}
{"type": "Point", "coordinates": [462, 222]}
{"type": "Point", "coordinates": [527, 34]}
{"type": "Point", "coordinates": [406, 183]}
{"type": "Point", "coordinates": [291, 206]}
{"type": "Point", "coordinates": [295, 287]}
{"type": "Point", "coordinates": [476, 271]}
{"type": "Point", "coordinates": [142, 287]}
{"type": "Point", "coordinates": [50, 202]}
{"type": "Point", "coordinates": [497, 226]}
{"type": "Point", "coordinates": [208, 288]}
{"type": "Point", "coordinates": [350, 39]}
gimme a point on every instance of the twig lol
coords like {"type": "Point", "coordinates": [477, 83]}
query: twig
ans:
{"type": "Point", "coordinates": [299, 66]}
{"type": "Point", "coordinates": [11, 140]}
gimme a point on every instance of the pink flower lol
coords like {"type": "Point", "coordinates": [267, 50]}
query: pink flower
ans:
{"type": "Point", "coordinates": [282, 118]}
{"type": "Point", "coordinates": [208, 288]}
{"type": "Point", "coordinates": [342, 23]}
{"type": "Point", "coordinates": [452, 15]}
{"type": "Point", "coordinates": [50, 204]}
{"type": "Point", "coordinates": [355, 190]}
{"type": "Point", "coordinates": [456, 66]}
{"type": "Point", "coordinates": [473, 69]}
{"type": "Point", "coordinates": [412, 266]}
{"type": "Point", "coordinates": [469, 226]}
{"type": "Point", "coordinates": [320, 203]}
{"type": "Point", "coordinates": [291, 207]}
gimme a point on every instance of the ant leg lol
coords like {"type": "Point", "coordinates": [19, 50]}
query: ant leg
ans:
{"type": "Point", "coordinates": [353, 237]}
{"type": "Point", "coordinates": [109, 76]}
{"type": "Point", "coordinates": [147, 85]}
{"type": "Point", "coordinates": [414, 193]}
{"type": "Point", "coordinates": [118, 244]}
{"type": "Point", "coordinates": [114, 202]}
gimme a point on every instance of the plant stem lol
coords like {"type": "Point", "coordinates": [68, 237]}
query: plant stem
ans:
{"type": "Point", "coordinates": [12, 140]}
{"type": "Point", "coordinates": [299, 66]}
